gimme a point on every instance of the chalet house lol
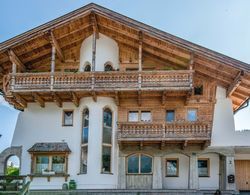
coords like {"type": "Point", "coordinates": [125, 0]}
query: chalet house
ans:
{"type": "Point", "coordinates": [113, 103]}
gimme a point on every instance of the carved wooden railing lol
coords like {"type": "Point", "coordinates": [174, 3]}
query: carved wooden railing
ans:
{"type": "Point", "coordinates": [115, 80]}
{"type": "Point", "coordinates": [140, 130]}
{"type": "Point", "coordinates": [164, 131]}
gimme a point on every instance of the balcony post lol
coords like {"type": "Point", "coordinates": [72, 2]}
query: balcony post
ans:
{"type": "Point", "coordinates": [93, 51]}
{"type": "Point", "coordinates": [191, 63]}
{"type": "Point", "coordinates": [52, 68]}
{"type": "Point", "coordinates": [140, 52]}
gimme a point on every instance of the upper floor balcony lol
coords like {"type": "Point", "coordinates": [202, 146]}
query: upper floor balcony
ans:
{"type": "Point", "coordinates": [164, 133]}
{"type": "Point", "coordinates": [174, 80]}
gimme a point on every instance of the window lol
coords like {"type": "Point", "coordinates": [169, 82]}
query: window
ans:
{"type": "Point", "coordinates": [55, 164]}
{"type": "Point", "coordinates": [67, 118]}
{"type": "Point", "coordinates": [172, 167]}
{"type": "Point", "coordinates": [108, 67]}
{"type": "Point", "coordinates": [198, 90]}
{"type": "Point", "coordinates": [203, 167]}
{"type": "Point", "coordinates": [107, 141]}
{"type": "Point", "coordinates": [87, 68]}
{"type": "Point", "coordinates": [146, 116]}
{"type": "Point", "coordinates": [84, 145]}
{"type": "Point", "coordinates": [170, 115]}
{"type": "Point", "coordinates": [139, 164]}
{"type": "Point", "coordinates": [135, 116]}
{"type": "Point", "coordinates": [192, 115]}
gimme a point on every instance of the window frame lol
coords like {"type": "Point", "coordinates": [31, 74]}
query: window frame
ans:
{"type": "Point", "coordinates": [108, 64]}
{"type": "Point", "coordinates": [63, 118]}
{"type": "Point", "coordinates": [174, 116]}
{"type": "Point", "coordinates": [50, 156]}
{"type": "Point", "coordinates": [84, 145]}
{"type": "Point", "coordinates": [189, 109]}
{"type": "Point", "coordinates": [177, 165]}
{"type": "Point", "coordinates": [208, 167]}
{"type": "Point", "coordinates": [139, 165]}
{"type": "Point", "coordinates": [106, 144]}
{"type": "Point", "coordinates": [139, 116]}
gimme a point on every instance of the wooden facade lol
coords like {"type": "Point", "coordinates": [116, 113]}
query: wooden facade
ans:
{"type": "Point", "coordinates": [158, 72]}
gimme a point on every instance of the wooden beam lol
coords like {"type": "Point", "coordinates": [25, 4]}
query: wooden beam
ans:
{"type": "Point", "coordinates": [93, 51]}
{"type": "Point", "coordinates": [57, 46]}
{"type": "Point", "coordinates": [235, 83]}
{"type": "Point", "coordinates": [20, 100]}
{"type": "Point", "coordinates": [205, 145]}
{"type": "Point", "coordinates": [117, 100]}
{"type": "Point", "coordinates": [57, 100]}
{"type": "Point", "coordinates": [15, 60]}
{"type": "Point", "coordinates": [39, 99]}
{"type": "Point", "coordinates": [163, 98]}
{"type": "Point", "coordinates": [139, 98]}
{"type": "Point", "coordinates": [94, 24]}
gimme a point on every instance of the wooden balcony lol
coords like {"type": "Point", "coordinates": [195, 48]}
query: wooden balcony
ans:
{"type": "Point", "coordinates": [164, 133]}
{"type": "Point", "coordinates": [180, 80]}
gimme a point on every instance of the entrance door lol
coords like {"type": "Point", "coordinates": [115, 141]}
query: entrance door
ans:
{"type": "Point", "coordinates": [242, 171]}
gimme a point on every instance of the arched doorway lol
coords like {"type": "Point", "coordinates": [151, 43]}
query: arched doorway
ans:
{"type": "Point", "coordinates": [12, 166]}
{"type": "Point", "coordinates": [8, 155]}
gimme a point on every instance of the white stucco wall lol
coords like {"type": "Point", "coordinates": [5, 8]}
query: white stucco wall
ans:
{"type": "Point", "coordinates": [37, 124]}
{"type": "Point", "coordinates": [180, 182]}
{"type": "Point", "coordinates": [223, 133]}
{"type": "Point", "coordinates": [211, 182]}
{"type": "Point", "coordinates": [107, 50]}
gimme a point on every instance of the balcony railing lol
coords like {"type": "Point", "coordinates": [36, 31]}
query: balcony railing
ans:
{"type": "Point", "coordinates": [132, 131]}
{"type": "Point", "coordinates": [99, 81]}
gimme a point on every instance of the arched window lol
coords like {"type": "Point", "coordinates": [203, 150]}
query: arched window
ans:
{"type": "Point", "coordinates": [108, 67]}
{"type": "Point", "coordinates": [84, 142]}
{"type": "Point", "coordinates": [139, 164]}
{"type": "Point", "coordinates": [87, 68]}
{"type": "Point", "coordinates": [107, 141]}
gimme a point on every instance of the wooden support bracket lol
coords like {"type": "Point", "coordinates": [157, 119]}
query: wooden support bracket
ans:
{"type": "Point", "coordinates": [75, 99]}
{"type": "Point", "coordinates": [94, 96]}
{"type": "Point", "coordinates": [59, 51]}
{"type": "Point", "coordinates": [184, 145]}
{"type": "Point", "coordinates": [235, 83]}
{"type": "Point", "coordinates": [163, 98]}
{"type": "Point", "coordinates": [20, 100]}
{"type": "Point", "coordinates": [57, 100]}
{"type": "Point", "coordinates": [39, 99]}
{"type": "Point", "coordinates": [141, 146]}
{"type": "Point", "coordinates": [15, 60]}
{"type": "Point", "coordinates": [117, 100]}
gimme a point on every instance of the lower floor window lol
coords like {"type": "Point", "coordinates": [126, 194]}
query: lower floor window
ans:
{"type": "Point", "coordinates": [203, 167]}
{"type": "Point", "coordinates": [50, 164]}
{"type": "Point", "coordinates": [139, 164]}
{"type": "Point", "coordinates": [106, 159]}
{"type": "Point", "coordinates": [84, 158]}
{"type": "Point", "coordinates": [172, 167]}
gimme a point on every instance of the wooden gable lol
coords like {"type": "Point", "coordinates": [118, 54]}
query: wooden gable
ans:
{"type": "Point", "coordinates": [31, 51]}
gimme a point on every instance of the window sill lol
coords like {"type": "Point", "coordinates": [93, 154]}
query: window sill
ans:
{"type": "Point", "coordinates": [172, 176]}
{"type": "Point", "coordinates": [107, 173]}
{"type": "Point", "coordinates": [131, 174]}
{"type": "Point", "coordinates": [49, 176]}
{"type": "Point", "coordinates": [204, 176]}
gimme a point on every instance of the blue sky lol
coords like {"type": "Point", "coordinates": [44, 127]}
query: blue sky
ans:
{"type": "Point", "coordinates": [223, 26]}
